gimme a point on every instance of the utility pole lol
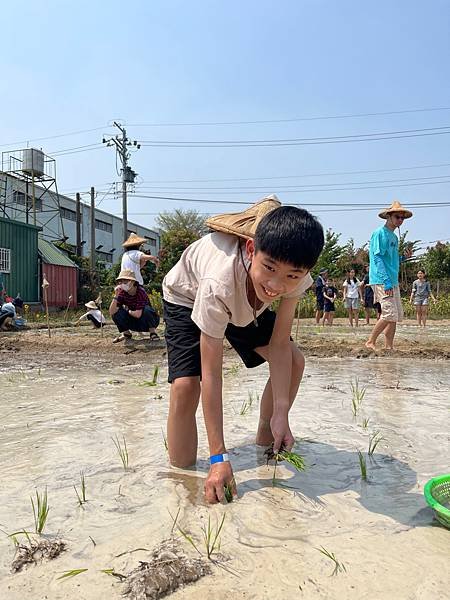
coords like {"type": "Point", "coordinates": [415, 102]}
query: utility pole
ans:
{"type": "Point", "coordinates": [121, 142]}
{"type": "Point", "coordinates": [78, 223]}
{"type": "Point", "coordinates": [92, 254]}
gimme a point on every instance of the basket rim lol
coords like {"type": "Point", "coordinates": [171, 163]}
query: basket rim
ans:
{"type": "Point", "coordinates": [431, 500]}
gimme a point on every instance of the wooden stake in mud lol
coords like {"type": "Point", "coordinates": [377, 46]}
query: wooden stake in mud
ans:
{"type": "Point", "coordinates": [98, 302]}
{"type": "Point", "coordinates": [67, 307]}
{"type": "Point", "coordinates": [45, 285]}
{"type": "Point", "coordinates": [297, 310]}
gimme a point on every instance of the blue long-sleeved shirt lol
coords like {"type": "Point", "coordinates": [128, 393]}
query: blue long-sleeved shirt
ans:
{"type": "Point", "coordinates": [384, 258]}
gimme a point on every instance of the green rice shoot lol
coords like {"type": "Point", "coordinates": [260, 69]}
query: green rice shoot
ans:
{"type": "Point", "coordinates": [113, 573]}
{"type": "Point", "coordinates": [122, 450]}
{"type": "Point", "coordinates": [228, 491]}
{"type": "Point", "coordinates": [358, 394]}
{"type": "Point", "coordinates": [338, 566]}
{"type": "Point", "coordinates": [247, 403]}
{"type": "Point", "coordinates": [40, 510]}
{"type": "Point", "coordinates": [164, 437]}
{"type": "Point", "coordinates": [362, 465]}
{"type": "Point", "coordinates": [211, 537]}
{"type": "Point", "coordinates": [81, 496]}
{"type": "Point", "coordinates": [374, 440]}
{"type": "Point", "coordinates": [72, 573]}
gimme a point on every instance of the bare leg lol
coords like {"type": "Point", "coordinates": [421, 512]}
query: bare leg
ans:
{"type": "Point", "coordinates": [389, 333]}
{"type": "Point", "coordinates": [264, 435]}
{"type": "Point", "coordinates": [330, 318]}
{"type": "Point", "coordinates": [356, 314]}
{"type": "Point", "coordinates": [318, 316]}
{"type": "Point", "coordinates": [424, 315]}
{"type": "Point", "coordinates": [380, 326]}
{"type": "Point", "coordinates": [418, 315]}
{"type": "Point", "coordinates": [350, 317]}
{"type": "Point", "coordinates": [181, 423]}
{"type": "Point", "coordinates": [367, 311]}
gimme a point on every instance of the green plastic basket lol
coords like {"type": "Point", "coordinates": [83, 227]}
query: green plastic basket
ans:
{"type": "Point", "coordinates": [437, 494]}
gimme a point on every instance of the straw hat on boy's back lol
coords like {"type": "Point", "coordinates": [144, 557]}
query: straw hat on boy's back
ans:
{"type": "Point", "coordinates": [244, 223]}
{"type": "Point", "coordinates": [134, 240]}
{"type": "Point", "coordinates": [91, 304]}
{"type": "Point", "coordinates": [395, 207]}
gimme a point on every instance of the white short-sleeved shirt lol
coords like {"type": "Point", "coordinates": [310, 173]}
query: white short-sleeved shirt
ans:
{"type": "Point", "coordinates": [96, 313]}
{"type": "Point", "coordinates": [351, 289]}
{"type": "Point", "coordinates": [131, 260]}
{"type": "Point", "coordinates": [210, 278]}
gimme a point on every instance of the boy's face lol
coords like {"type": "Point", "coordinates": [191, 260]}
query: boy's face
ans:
{"type": "Point", "coordinates": [271, 278]}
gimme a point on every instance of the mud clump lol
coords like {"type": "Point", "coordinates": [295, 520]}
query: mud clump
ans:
{"type": "Point", "coordinates": [36, 552]}
{"type": "Point", "coordinates": [167, 569]}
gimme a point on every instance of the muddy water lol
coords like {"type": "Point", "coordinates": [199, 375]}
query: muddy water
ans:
{"type": "Point", "coordinates": [56, 422]}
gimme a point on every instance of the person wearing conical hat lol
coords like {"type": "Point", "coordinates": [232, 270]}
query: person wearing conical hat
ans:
{"type": "Point", "coordinates": [94, 315]}
{"type": "Point", "coordinates": [223, 287]}
{"type": "Point", "coordinates": [384, 263]}
{"type": "Point", "coordinates": [133, 258]}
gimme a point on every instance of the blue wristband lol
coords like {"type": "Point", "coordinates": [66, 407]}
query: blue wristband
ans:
{"type": "Point", "coordinates": [218, 458]}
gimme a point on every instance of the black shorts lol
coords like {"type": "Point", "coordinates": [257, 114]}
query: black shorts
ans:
{"type": "Point", "coordinates": [328, 307]}
{"type": "Point", "coordinates": [183, 340]}
{"type": "Point", "coordinates": [320, 301]}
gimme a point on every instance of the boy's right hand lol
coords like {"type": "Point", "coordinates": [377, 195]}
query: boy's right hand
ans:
{"type": "Point", "coordinates": [219, 475]}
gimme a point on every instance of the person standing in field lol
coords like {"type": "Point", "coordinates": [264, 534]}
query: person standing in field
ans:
{"type": "Point", "coordinates": [133, 258]}
{"type": "Point", "coordinates": [367, 295]}
{"type": "Point", "coordinates": [319, 284]}
{"type": "Point", "coordinates": [330, 295]}
{"type": "Point", "coordinates": [420, 296]}
{"type": "Point", "coordinates": [352, 296]}
{"type": "Point", "coordinates": [383, 274]}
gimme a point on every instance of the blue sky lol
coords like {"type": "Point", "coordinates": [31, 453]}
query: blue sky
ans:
{"type": "Point", "coordinates": [70, 66]}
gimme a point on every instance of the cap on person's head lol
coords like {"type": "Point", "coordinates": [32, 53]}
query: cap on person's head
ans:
{"type": "Point", "coordinates": [395, 207]}
{"type": "Point", "coordinates": [323, 271]}
{"type": "Point", "coordinates": [127, 274]}
{"type": "Point", "coordinates": [134, 240]}
{"type": "Point", "coordinates": [91, 304]}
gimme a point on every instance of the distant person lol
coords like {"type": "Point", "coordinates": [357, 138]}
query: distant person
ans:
{"type": "Point", "coordinates": [319, 285]}
{"type": "Point", "coordinates": [133, 258]}
{"type": "Point", "coordinates": [367, 295]}
{"type": "Point", "coordinates": [420, 296]}
{"type": "Point", "coordinates": [352, 296]}
{"type": "Point", "coordinates": [130, 308]}
{"type": "Point", "coordinates": [383, 274]}
{"type": "Point", "coordinates": [8, 313]}
{"type": "Point", "coordinates": [94, 315]}
{"type": "Point", "coordinates": [329, 295]}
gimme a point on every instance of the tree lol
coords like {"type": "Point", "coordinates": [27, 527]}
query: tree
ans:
{"type": "Point", "coordinates": [330, 255]}
{"type": "Point", "coordinates": [437, 261]}
{"type": "Point", "coordinates": [182, 220]}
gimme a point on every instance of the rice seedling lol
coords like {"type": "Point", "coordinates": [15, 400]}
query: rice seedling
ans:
{"type": "Point", "coordinates": [40, 510]}
{"type": "Point", "coordinates": [362, 465]}
{"type": "Point", "coordinates": [166, 446]}
{"type": "Point", "coordinates": [228, 491]}
{"type": "Point", "coordinates": [71, 573]}
{"type": "Point", "coordinates": [338, 566]}
{"type": "Point", "coordinates": [82, 495]}
{"type": "Point", "coordinates": [94, 543]}
{"type": "Point", "coordinates": [154, 380]}
{"type": "Point", "coordinates": [365, 422]}
{"type": "Point", "coordinates": [248, 403]}
{"type": "Point", "coordinates": [234, 369]}
{"type": "Point", "coordinates": [113, 573]}
{"type": "Point", "coordinates": [122, 450]}
{"type": "Point", "coordinates": [358, 394]}
{"type": "Point", "coordinates": [292, 458]}
{"type": "Point", "coordinates": [211, 537]}
{"type": "Point", "coordinates": [374, 440]}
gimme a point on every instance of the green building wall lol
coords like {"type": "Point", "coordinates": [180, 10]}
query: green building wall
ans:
{"type": "Point", "coordinates": [22, 241]}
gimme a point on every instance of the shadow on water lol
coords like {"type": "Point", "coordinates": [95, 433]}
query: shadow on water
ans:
{"type": "Point", "coordinates": [391, 489]}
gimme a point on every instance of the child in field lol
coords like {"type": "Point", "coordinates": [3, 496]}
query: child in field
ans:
{"type": "Point", "coordinates": [223, 286]}
{"type": "Point", "coordinates": [94, 315]}
{"type": "Point", "coordinates": [352, 296]}
{"type": "Point", "coordinates": [330, 295]}
{"type": "Point", "coordinates": [133, 258]}
{"type": "Point", "coordinates": [420, 296]}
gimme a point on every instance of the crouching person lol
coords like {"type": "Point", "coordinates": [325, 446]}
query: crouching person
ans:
{"type": "Point", "coordinates": [130, 308]}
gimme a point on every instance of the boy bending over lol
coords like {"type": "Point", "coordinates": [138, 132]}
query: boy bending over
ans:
{"type": "Point", "coordinates": [223, 286]}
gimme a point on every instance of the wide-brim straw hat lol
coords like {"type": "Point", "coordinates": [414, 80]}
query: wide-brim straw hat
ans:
{"type": "Point", "coordinates": [244, 223]}
{"type": "Point", "coordinates": [127, 274]}
{"type": "Point", "coordinates": [395, 207]}
{"type": "Point", "coordinates": [133, 240]}
{"type": "Point", "coordinates": [91, 304]}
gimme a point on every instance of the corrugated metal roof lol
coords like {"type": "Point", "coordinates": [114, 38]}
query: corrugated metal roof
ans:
{"type": "Point", "coordinates": [51, 255]}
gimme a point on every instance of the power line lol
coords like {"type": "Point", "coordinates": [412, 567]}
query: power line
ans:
{"type": "Point", "coordinates": [361, 137]}
{"type": "Point", "coordinates": [293, 119]}
{"type": "Point", "coordinates": [59, 135]}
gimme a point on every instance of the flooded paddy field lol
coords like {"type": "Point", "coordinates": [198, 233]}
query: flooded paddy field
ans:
{"type": "Point", "coordinates": [65, 399]}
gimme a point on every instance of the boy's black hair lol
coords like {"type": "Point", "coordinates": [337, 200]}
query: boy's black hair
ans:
{"type": "Point", "coordinates": [290, 235]}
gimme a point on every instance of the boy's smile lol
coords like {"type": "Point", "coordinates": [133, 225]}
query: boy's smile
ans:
{"type": "Point", "coordinates": [271, 278]}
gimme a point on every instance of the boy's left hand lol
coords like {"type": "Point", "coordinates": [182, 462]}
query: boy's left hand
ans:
{"type": "Point", "coordinates": [281, 432]}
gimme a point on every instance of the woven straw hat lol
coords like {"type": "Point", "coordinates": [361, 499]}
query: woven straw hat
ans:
{"type": "Point", "coordinates": [244, 223]}
{"type": "Point", "coordinates": [395, 207]}
{"type": "Point", "coordinates": [133, 240]}
{"type": "Point", "coordinates": [127, 274]}
{"type": "Point", "coordinates": [91, 304]}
